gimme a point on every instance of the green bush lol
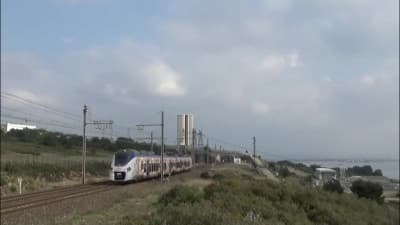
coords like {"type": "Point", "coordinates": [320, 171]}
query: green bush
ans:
{"type": "Point", "coordinates": [218, 176]}
{"type": "Point", "coordinates": [48, 140]}
{"type": "Point", "coordinates": [205, 175]}
{"type": "Point", "coordinates": [367, 189]}
{"type": "Point", "coordinates": [232, 200]}
{"type": "Point", "coordinates": [53, 172]}
{"type": "Point", "coordinates": [13, 188]}
{"type": "Point", "coordinates": [364, 171]}
{"type": "Point", "coordinates": [181, 194]}
{"type": "Point", "coordinates": [333, 186]}
{"type": "Point", "coordinates": [284, 172]}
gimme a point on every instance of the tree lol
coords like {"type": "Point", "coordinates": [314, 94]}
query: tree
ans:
{"type": "Point", "coordinates": [123, 143]}
{"type": "Point", "coordinates": [48, 139]}
{"type": "Point", "coordinates": [333, 186]}
{"type": "Point", "coordinates": [284, 172]}
{"type": "Point", "coordinates": [362, 170]}
{"type": "Point", "coordinates": [314, 166]}
{"type": "Point", "coordinates": [367, 189]}
{"type": "Point", "coordinates": [378, 172]}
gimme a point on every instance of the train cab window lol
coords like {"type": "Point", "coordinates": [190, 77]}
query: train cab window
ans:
{"type": "Point", "coordinates": [122, 158]}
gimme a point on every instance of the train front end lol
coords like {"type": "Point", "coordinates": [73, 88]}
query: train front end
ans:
{"type": "Point", "coordinates": [123, 166]}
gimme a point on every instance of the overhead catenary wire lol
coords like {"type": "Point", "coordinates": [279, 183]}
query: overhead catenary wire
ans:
{"type": "Point", "coordinates": [40, 106]}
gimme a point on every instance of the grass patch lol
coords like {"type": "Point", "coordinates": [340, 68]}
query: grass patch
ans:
{"type": "Point", "coordinates": [51, 172]}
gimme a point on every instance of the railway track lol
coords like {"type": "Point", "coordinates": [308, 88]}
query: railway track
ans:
{"type": "Point", "coordinates": [36, 199]}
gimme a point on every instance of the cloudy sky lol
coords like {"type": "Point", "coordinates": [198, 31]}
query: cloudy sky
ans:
{"type": "Point", "coordinates": [308, 78]}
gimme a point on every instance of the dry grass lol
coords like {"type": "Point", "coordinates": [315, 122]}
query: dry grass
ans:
{"type": "Point", "coordinates": [137, 201]}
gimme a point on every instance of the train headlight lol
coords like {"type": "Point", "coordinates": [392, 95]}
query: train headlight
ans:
{"type": "Point", "coordinates": [129, 169]}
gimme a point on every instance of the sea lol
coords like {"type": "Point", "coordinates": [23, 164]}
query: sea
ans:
{"type": "Point", "coordinates": [390, 168]}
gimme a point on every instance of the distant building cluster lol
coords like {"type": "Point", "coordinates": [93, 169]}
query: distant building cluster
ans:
{"type": "Point", "coordinates": [6, 127]}
{"type": "Point", "coordinates": [185, 128]}
{"type": "Point", "coordinates": [324, 175]}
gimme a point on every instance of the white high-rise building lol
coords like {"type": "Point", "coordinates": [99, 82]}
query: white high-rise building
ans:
{"type": "Point", "coordinates": [185, 125]}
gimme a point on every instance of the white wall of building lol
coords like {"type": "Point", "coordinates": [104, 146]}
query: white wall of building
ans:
{"type": "Point", "coordinates": [185, 125]}
{"type": "Point", "coordinates": [181, 130]}
{"type": "Point", "coordinates": [15, 126]}
{"type": "Point", "coordinates": [237, 160]}
{"type": "Point", "coordinates": [189, 129]}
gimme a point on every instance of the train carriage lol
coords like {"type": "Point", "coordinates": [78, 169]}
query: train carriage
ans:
{"type": "Point", "coordinates": [129, 165]}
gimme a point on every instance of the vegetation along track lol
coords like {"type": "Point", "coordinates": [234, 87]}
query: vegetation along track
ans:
{"type": "Point", "coordinates": [36, 199]}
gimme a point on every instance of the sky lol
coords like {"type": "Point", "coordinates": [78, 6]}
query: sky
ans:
{"type": "Point", "coordinates": [309, 79]}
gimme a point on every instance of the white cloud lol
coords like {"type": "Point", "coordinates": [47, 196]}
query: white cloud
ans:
{"type": "Point", "coordinates": [368, 80]}
{"type": "Point", "coordinates": [28, 95]}
{"type": "Point", "coordinates": [293, 60]}
{"type": "Point", "coordinates": [327, 79]}
{"type": "Point", "coordinates": [163, 80]}
{"type": "Point", "coordinates": [109, 89]}
{"type": "Point", "coordinates": [261, 108]}
{"type": "Point", "coordinates": [281, 5]}
{"type": "Point", "coordinates": [276, 63]}
{"type": "Point", "coordinates": [273, 63]}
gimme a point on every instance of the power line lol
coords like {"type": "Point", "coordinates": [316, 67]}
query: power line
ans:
{"type": "Point", "coordinates": [225, 142]}
{"type": "Point", "coordinates": [40, 106]}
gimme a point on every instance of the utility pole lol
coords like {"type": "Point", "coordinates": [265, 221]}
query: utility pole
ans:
{"type": "Point", "coordinates": [84, 144]}
{"type": "Point", "coordinates": [200, 146]}
{"type": "Point", "coordinates": [151, 141]}
{"type": "Point", "coordinates": [162, 142]}
{"type": "Point", "coordinates": [207, 153]}
{"type": "Point", "coordinates": [215, 152]}
{"type": "Point", "coordinates": [162, 147]}
{"type": "Point", "coordinates": [220, 152]}
{"type": "Point", "coordinates": [193, 144]}
{"type": "Point", "coordinates": [95, 122]}
{"type": "Point", "coordinates": [254, 147]}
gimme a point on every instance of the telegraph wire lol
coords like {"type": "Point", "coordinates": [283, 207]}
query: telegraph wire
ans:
{"type": "Point", "coordinates": [41, 107]}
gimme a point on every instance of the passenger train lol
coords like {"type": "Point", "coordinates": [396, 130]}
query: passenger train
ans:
{"type": "Point", "coordinates": [131, 165]}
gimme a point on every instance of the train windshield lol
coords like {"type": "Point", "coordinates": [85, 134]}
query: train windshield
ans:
{"type": "Point", "coordinates": [122, 158]}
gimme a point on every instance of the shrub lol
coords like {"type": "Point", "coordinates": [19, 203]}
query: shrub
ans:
{"type": "Point", "coordinates": [218, 176]}
{"type": "Point", "coordinates": [13, 188]}
{"type": "Point", "coordinates": [53, 172]}
{"type": "Point", "coordinates": [205, 175]}
{"type": "Point", "coordinates": [48, 139]}
{"type": "Point", "coordinates": [181, 194]}
{"type": "Point", "coordinates": [284, 172]}
{"type": "Point", "coordinates": [333, 186]}
{"type": "Point", "coordinates": [231, 200]}
{"type": "Point", "coordinates": [367, 189]}
{"type": "Point", "coordinates": [378, 172]}
{"type": "Point", "coordinates": [364, 171]}
{"type": "Point", "coordinates": [314, 166]}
